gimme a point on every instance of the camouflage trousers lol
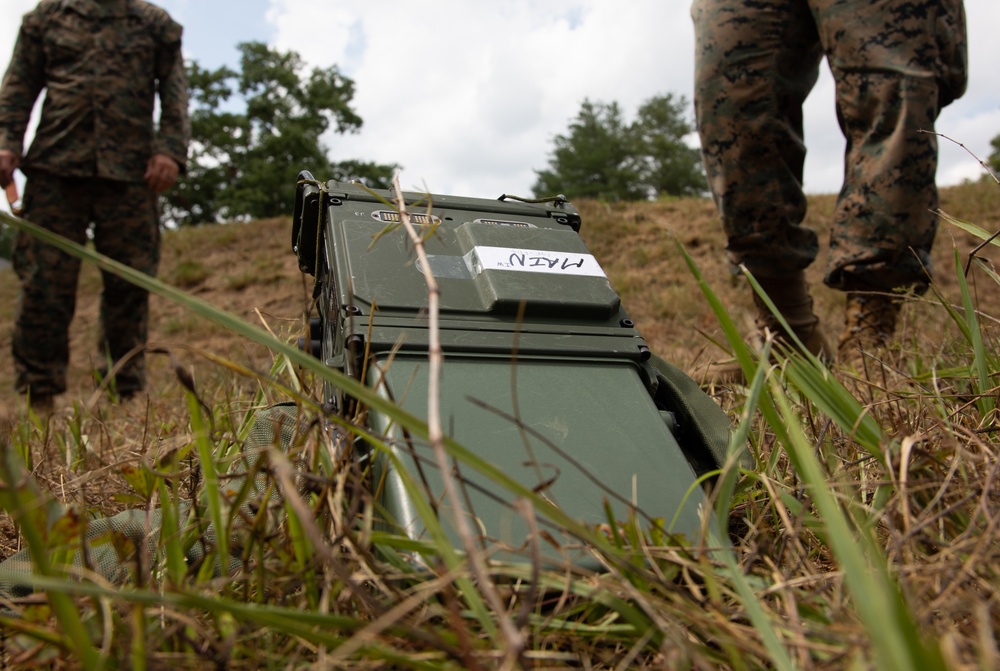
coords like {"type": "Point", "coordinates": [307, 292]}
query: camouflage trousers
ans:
{"type": "Point", "coordinates": [125, 222]}
{"type": "Point", "coordinates": [895, 64]}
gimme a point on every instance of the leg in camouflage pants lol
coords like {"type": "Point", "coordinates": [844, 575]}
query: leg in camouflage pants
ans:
{"type": "Point", "coordinates": [895, 63]}
{"type": "Point", "coordinates": [126, 228]}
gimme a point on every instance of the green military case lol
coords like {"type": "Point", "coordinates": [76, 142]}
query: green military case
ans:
{"type": "Point", "coordinates": [544, 374]}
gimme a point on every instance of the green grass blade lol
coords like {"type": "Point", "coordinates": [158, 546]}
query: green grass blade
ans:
{"type": "Point", "coordinates": [829, 395]}
{"type": "Point", "coordinates": [21, 497]}
{"type": "Point", "coordinates": [986, 402]}
{"type": "Point", "coordinates": [211, 491]}
{"type": "Point", "coordinates": [894, 635]}
{"type": "Point", "coordinates": [735, 340]}
{"type": "Point", "coordinates": [968, 227]}
{"type": "Point", "coordinates": [170, 534]}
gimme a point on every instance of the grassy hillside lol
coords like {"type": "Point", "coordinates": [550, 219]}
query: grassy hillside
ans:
{"type": "Point", "coordinates": [918, 502]}
{"type": "Point", "coordinates": [637, 245]}
{"type": "Point", "coordinates": [249, 270]}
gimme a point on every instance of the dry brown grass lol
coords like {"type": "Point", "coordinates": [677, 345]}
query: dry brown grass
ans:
{"type": "Point", "coordinates": [635, 244]}
{"type": "Point", "coordinates": [931, 497]}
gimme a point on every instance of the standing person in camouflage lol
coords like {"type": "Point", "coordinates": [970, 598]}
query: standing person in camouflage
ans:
{"type": "Point", "coordinates": [96, 159]}
{"type": "Point", "coordinates": [896, 64]}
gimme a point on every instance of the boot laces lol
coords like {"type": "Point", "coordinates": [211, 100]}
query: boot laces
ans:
{"type": "Point", "coordinates": [870, 319]}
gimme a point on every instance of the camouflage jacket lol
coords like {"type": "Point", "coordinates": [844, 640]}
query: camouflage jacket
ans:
{"type": "Point", "coordinates": [101, 64]}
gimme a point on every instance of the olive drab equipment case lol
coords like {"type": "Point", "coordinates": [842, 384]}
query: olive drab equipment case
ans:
{"type": "Point", "coordinates": [544, 374]}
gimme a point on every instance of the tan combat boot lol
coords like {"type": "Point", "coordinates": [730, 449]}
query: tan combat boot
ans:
{"type": "Point", "coordinates": [871, 321]}
{"type": "Point", "coordinates": [791, 297]}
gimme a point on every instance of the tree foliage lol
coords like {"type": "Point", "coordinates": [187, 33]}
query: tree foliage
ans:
{"type": "Point", "coordinates": [601, 156]}
{"type": "Point", "coordinates": [252, 131]}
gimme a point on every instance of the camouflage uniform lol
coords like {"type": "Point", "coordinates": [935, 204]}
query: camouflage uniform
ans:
{"type": "Point", "coordinates": [896, 63]}
{"type": "Point", "coordinates": [101, 63]}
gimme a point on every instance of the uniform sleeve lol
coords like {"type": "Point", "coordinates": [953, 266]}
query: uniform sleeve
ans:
{"type": "Point", "coordinates": [174, 130]}
{"type": "Point", "coordinates": [24, 80]}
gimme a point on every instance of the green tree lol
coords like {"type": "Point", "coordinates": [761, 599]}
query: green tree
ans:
{"type": "Point", "coordinates": [594, 159]}
{"type": "Point", "coordinates": [245, 157]}
{"type": "Point", "coordinates": [602, 156]}
{"type": "Point", "coordinates": [670, 166]}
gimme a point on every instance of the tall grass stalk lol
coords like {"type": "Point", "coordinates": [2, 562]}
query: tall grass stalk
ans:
{"type": "Point", "coordinates": [896, 640]}
{"type": "Point", "coordinates": [39, 518]}
{"type": "Point", "coordinates": [895, 637]}
{"type": "Point", "coordinates": [986, 401]}
{"type": "Point", "coordinates": [723, 492]}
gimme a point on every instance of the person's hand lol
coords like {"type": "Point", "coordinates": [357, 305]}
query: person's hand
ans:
{"type": "Point", "coordinates": [161, 173]}
{"type": "Point", "coordinates": [8, 163]}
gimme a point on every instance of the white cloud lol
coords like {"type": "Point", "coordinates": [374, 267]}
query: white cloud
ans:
{"type": "Point", "coordinates": [468, 95]}
{"type": "Point", "coordinates": [974, 132]}
{"type": "Point", "coordinates": [11, 11]}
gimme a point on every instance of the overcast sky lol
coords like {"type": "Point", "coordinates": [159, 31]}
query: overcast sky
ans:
{"type": "Point", "coordinates": [467, 95]}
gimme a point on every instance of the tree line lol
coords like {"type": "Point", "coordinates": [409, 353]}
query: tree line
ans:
{"type": "Point", "coordinates": [254, 128]}
{"type": "Point", "coordinates": [601, 156]}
